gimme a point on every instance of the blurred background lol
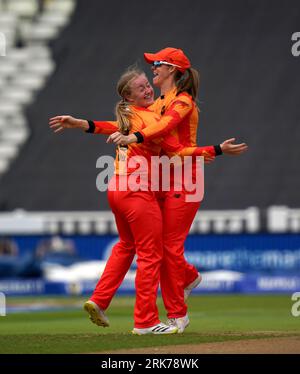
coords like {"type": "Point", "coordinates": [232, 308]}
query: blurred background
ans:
{"type": "Point", "coordinates": [65, 57]}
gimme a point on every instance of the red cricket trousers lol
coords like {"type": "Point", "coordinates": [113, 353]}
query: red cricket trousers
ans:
{"type": "Point", "coordinates": [139, 222]}
{"type": "Point", "coordinates": [178, 217]}
{"type": "Point", "coordinates": [176, 272]}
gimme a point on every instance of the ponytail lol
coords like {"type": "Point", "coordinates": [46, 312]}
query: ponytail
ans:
{"type": "Point", "coordinates": [188, 81]}
{"type": "Point", "coordinates": [123, 114]}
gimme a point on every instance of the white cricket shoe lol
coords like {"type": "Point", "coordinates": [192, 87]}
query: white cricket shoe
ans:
{"type": "Point", "coordinates": [191, 286]}
{"type": "Point", "coordinates": [181, 323]}
{"type": "Point", "coordinates": [96, 314]}
{"type": "Point", "coordinates": [160, 328]}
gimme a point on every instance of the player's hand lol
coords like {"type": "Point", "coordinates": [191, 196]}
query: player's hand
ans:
{"type": "Point", "coordinates": [229, 148]}
{"type": "Point", "coordinates": [120, 139]}
{"type": "Point", "coordinates": [59, 123]}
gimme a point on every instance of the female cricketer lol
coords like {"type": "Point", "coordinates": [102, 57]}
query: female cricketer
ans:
{"type": "Point", "coordinates": [179, 85]}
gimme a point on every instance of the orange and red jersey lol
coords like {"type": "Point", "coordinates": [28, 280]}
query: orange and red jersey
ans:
{"type": "Point", "coordinates": [179, 117]}
{"type": "Point", "coordinates": [142, 118]}
{"type": "Point", "coordinates": [139, 119]}
{"type": "Point", "coordinates": [178, 123]}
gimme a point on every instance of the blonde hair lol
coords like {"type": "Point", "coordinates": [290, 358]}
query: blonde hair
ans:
{"type": "Point", "coordinates": [122, 109]}
{"type": "Point", "coordinates": [189, 82]}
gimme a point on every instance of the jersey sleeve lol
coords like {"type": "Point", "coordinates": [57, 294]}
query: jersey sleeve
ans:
{"type": "Point", "coordinates": [172, 147]}
{"type": "Point", "coordinates": [102, 127]}
{"type": "Point", "coordinates": [179, 109]}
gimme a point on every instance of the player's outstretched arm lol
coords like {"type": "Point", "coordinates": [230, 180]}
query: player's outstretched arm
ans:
{"type": "Point", "coordinates": [59, 123]}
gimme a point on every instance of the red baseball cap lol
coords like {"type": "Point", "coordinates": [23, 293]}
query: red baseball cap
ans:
{"type": "Point", "coordinates": [173, 56]}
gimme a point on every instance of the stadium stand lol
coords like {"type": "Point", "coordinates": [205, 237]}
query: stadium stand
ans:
{"type": "Point", "coordinates": [85, 223]}
{"type": "Point", "coordinates": [26, 65]}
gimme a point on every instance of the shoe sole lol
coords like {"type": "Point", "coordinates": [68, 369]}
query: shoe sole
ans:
{"type": "Point", "coordinates": [94, 315]}
{"type": "Point", "coordinates": [181, 332]}
{"type": "Point", "coordinates": [154, 333]}
{"type": "Point", "coordinates": [189, 289]}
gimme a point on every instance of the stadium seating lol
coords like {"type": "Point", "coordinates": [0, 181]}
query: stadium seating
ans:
{"type": "Point", "coordinates": [28, 26]}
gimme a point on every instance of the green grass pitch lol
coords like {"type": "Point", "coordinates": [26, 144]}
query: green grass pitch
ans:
{"type": "Point", "coordinates": [213, 318]}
